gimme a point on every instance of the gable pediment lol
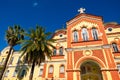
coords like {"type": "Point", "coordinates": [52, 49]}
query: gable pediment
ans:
{"type": "Point", "coordinates": [84, 24]}
{"type": "Point", "coordinates": [83, 17]}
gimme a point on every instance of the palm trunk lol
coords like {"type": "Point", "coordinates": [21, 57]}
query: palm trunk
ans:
{"type": "Point", "coordinates": [32, 70]}
{"type": "Point", "coordinates": [6, 62]}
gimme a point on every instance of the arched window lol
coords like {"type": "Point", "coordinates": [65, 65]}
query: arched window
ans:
{"type": "Point", "coordinates": [61, 51]}
{"type": "Point", "coordinates": [51, 69]}
{"type": "Point", "coordinates": [41, 72]}
{"type": "Point", "coordinates": [11, 60]}
{"type": "Point", "coordinates": [118, 67]}
{"type": "Point", "coordinates": [18, 61]}
{"type": "Point", "coordinates": [62, 69]}
{"type": "Point", "coordinates": [15, 73]}
{"type": "Point", "coordinates": [84, 34]}
{"type": "Point", "coordinates": [23, 73]}
{"type": "Point", "coordinates": [54, 51]}
{"type": "Point", "coordinates": [7, 72]}
{"type": "Point", "coordinates": [75, 36]}
{"type": "Point", "coordinates": [94, 33]}
{"type": "Point", "coordinates": [25, 59]}
{"type": "Point", "coordinates": [115, 48]}
{"type": "Point", "coordinates": [2, 61]}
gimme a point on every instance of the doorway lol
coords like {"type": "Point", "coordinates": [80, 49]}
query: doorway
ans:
{"type": "Point", "coordinates": [90, 71]}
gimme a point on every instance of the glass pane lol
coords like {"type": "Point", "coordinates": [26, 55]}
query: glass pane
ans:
{"type": "Point", "coordinates": [84, 34]}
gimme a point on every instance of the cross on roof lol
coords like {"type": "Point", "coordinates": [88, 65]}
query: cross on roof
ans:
{"type": "Point", "coordinates": [81, 10]}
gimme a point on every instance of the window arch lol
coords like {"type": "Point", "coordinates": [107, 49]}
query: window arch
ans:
{"type": "Point", "coordinates": [84, 34]}
{"type": "Point", "coordinates": [61, 50]}
{"type": "Point", "coordinates": [115, 48]}
{"type": "Point", "coordinates": [75, 36]}
{"type": "Point", "coordinates": [94, 33]}
{"type": "Point", "coordinates": [62, 69]}
{"type": "Point", "coordinates": [51, 69]}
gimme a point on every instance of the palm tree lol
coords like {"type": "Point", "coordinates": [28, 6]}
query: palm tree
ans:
{"type": "Point", "coordinates": [13, 36]}
{"type": "Point", "coordinates": [37, 47]}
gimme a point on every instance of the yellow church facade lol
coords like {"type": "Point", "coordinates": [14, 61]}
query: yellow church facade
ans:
{"type": "Point", "coordinates": [88, 49]}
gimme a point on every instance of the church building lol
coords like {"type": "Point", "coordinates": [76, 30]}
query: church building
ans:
{"type": "Point", "coordinates": [87, 49]}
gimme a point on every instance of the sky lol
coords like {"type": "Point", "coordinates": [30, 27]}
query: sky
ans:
{"type": "Point", "coordinates": [51, 14]}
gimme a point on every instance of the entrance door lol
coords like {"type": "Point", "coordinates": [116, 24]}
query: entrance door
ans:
{"type": "Point", "coordinates": [90, 71]}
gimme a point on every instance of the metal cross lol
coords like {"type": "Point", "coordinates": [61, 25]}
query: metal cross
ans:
{"type": "Point", "coordinates": [81, 10]}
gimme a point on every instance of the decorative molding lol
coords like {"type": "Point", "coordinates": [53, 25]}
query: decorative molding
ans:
{"type": "Point", "coordinates": [81, 17]}
{"type": "Point", "coordinates": [88, 48]}
{"type": "Point", "coordinates": [61, 40]}
{"type": "Point", "coordinates": [87, 53]}
{"type": "Point", "coordinates": [110, 69]}
{"type": "Point", "coordinates": [86, 24]}
{"type": "Point", "coordinates": [58, 61]}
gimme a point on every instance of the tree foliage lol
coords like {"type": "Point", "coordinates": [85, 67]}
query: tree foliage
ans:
{"type": "Point", "coordinates": [37, 47]}
{"type": "Point", "coordinates": [13, 36]}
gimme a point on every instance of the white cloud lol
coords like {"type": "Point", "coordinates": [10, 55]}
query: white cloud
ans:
{"type": "Point", "coordinates": [35, 4]}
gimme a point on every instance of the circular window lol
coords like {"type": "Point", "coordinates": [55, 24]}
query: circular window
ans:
{"type": "Point", "coordinates": [61, 35]}
{"type": "Point", "coordinates": [7, 52]}
{"type": "Point", "coordinates": [110, 29]}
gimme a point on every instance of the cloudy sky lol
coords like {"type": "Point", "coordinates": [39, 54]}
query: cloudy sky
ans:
{"type": "Point", "coordinates": [51, 14]}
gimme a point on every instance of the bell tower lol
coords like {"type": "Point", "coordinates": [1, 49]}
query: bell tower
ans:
{"type": "Point", "coordinates": [89, 56]}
